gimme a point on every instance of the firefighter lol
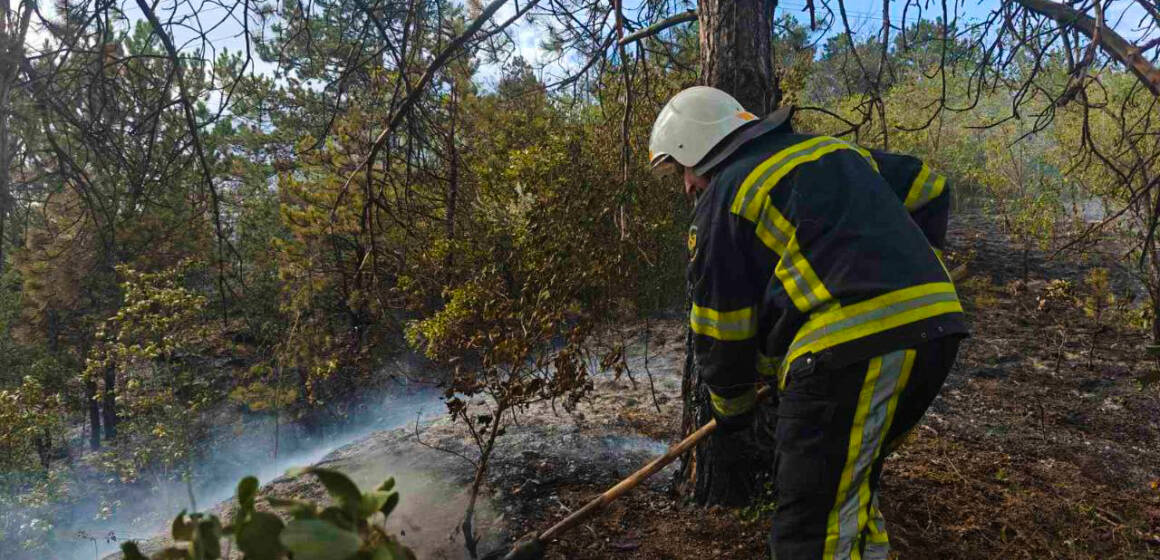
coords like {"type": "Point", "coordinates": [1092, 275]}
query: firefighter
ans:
{"type": "Point", "coordinates": [815, 265]}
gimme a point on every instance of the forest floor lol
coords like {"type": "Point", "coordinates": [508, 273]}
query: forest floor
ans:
{"type": "Point", "coordinates": [1045, 443]}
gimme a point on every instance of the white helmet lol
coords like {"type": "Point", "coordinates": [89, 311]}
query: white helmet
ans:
{"type": "Point", "coordinates": [692, 123]}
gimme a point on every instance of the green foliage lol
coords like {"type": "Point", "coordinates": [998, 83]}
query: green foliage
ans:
{"type": "Point", "coordinates": [761, 507]}
{"type": "Point", "coordinates": [261, 397]}
{"type": "Point", "coordinates": [159, 320]}
{"type": "Point", "coordinates": [498, 231]}
{"type": "Point", "coordinates": [350, 529]}
{"type": "Point", "coordinates": [30, 418]}
{"type": "Point", "coordinates": [31, 424]}
{"type": "Point", "coordinates": [1099, 297]}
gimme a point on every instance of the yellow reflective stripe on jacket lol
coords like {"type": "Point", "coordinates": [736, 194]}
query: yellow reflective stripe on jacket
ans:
{"type": "Point", "coordinates": [942, 261]}
{"type": "Point", "coordinates": [836, 326]}
{"type": "Point", "coordinates": [801, 283]}
{"type": "Point", "coordinates": [741, 404]}
{"type": "Point", "coordinates": [773, 229]}
{"type": "Point", "coordinates": [866, 154]}
{"type": "Point", "coordinates": [724, 325]}
{"type": "Point", "coordinates": [748, 201]}
{"type": "Point", "coordinates": [767, 365]}
{"type": "Point", "coordinates": [925, 188]}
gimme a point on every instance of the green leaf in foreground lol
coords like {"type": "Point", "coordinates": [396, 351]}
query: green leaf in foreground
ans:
{"type": "Point", "coordinates": [344, 491]}
{"type": "Point", "coordinates": [389, 506]}
{"type": "Point", "coordinates": [258, 538]}
{"type": "Point", "coordinates": [312, 539]}
{"type": "Point", "coordinates": [130, 551]}
{"type": "Point", "coordinates": [180, 529]}
{"type": "Point", "coordinates": [247, 491]}
{"type": "Point", "coordinates": [372, 502]}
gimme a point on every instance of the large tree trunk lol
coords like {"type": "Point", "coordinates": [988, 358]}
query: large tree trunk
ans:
{"type": "Point", "coordinates": [94, 414]}
{"type": "Point", "coordinates": [453, 180]}
{"type": "Point", "coordinates": [736, 57]}
{"type": "Point", "coordinates": [12, 47]}
{"type": "Point", "coordinates": [736, 54]}
{"type": "Point", "coordinates": [109, 402]}
{"type": "Point", "coordinates": [6, 75]}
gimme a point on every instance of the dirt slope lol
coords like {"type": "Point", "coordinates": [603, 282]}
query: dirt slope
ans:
{"type": "Point", "coordinates": [1044, 444]}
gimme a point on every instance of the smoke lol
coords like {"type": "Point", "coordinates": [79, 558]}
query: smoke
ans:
{"type": "Point", "coordinates": [237, 449]}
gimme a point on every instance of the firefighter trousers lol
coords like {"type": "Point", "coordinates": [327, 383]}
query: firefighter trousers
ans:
{"type": "Point", "coordinates": [835, 427]}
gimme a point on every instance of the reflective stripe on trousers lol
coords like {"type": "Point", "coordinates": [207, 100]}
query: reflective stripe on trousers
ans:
{"type": "Point", "coordinates": [849, 518]}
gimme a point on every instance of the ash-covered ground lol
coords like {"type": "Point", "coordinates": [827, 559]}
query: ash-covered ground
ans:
{"type": "Point", "coordinates": [1045, 443]}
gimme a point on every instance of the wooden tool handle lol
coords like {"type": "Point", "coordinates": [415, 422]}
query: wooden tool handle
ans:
{"type": "Point", "coordinates": [637, 477]}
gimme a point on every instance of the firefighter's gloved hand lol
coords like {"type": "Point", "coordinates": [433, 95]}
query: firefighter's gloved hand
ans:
{"type": "Point", "coordinates": [733, 414]}
{"type": "Point", "coordinates": [735, 423]}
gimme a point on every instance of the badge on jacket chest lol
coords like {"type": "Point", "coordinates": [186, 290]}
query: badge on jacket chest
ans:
{"type": "Point", "coordinates": [692, 242]}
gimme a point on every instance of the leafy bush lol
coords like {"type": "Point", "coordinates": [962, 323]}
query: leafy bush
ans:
{"type": "Point", "coordinates": [350, 529]}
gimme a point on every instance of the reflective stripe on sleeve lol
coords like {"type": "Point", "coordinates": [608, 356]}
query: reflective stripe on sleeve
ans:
{"type": "Point", "coordinates": [724, 325]}
{"type": "Point", "coordinates": [741, 404]}
{"type": "Point", "coordinates": [926, 187]}
{"type": "Point", "coordinates": [801, 283]}
{"type": "Point", "coordinates": [901, 307]}
{"type": "Point", "coordinates": [773, 229]}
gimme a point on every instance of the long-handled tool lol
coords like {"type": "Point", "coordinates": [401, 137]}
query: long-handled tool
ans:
{"type": "Point", "coordinates": [531, 546]}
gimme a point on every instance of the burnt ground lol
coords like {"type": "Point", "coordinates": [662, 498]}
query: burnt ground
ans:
{"type": "Point", "coordinates": [1045, 442]}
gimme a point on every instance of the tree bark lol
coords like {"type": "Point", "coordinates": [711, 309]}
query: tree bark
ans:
{"type": "Point", "coordinates": [1156, 321]}
{"type": "Point", "coordinates": [736, 53]}
{"type": "Point", "coordinates": [453, 180]}
{"type": "Point", "coordinates": [94, 414]}
{"type": "Point", "coordinates": [1109, 41]}
{"type": "Point", "coordinates": [13, 49]}
{"type": "Point", "coordinates": [109, 403]}
{"type": "Point", "coordinates": [736, 57]}
{"type": "Point", "coordinates": [1154, 296]}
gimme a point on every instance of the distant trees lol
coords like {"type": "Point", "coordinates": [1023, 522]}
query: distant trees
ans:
{"type": "Point", "coordinates": [14, 25]}
{"type": "Point", "coordinates": [1108, 152]}
{"type": "Point", "coordinates": [116, 169]}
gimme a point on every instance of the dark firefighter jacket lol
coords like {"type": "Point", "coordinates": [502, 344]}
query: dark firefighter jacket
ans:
{"type": "Point", "coordinates": [809, 245]}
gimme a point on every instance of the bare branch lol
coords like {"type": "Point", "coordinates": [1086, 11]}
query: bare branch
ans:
{"type": "Point", "coordinates": [1109, 41]}
{"type": "Point", "coordinates": [199, 149]}
{"type": "Point", "coordinates": [413, 96]}
{"type": "Point", "coordinates": [690, 15]}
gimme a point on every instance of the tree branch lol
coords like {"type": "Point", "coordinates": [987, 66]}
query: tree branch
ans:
{"type": "Point", "coordinates": [199, 149]}
{"type": "Point", "coordinates": [413, 96]}
{"type": "Point", "coordinates": [659, 26]}
{"type": "Point", "coordinates": [1109, 41]}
